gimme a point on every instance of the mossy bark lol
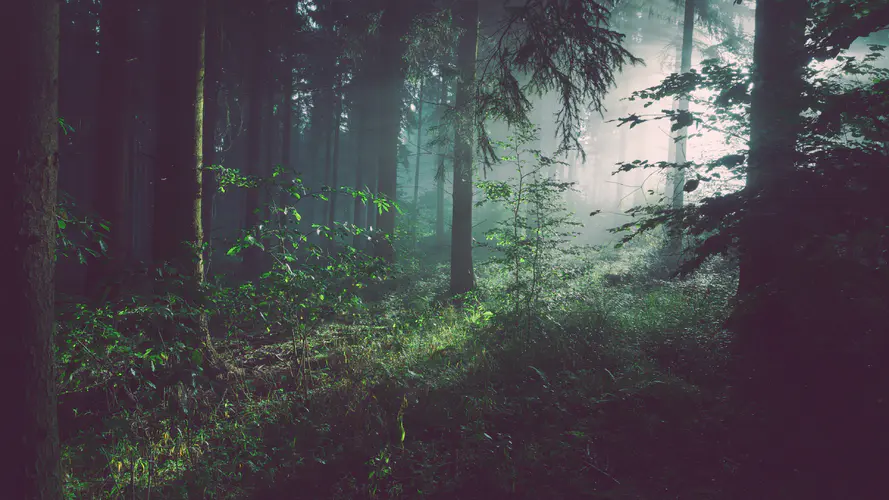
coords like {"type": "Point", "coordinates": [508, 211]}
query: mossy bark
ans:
{"type": "Point", "coordinates": [28, 189]}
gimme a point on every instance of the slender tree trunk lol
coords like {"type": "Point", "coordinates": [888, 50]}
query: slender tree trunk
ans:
{"type": "Point", "coordinates": [679, 141]}
{"type": "Point", "coordinates": [394, 26]}
{"type": "Point", "coordinates": [335, 166]}
{"type": "Point", "coordinates": [28, 177]}
{"type": "Point", "coordinates": [462, 276]}
{"type": "Point", "coordinates": [255, 92]}
{"type": "Point", "coordinates": [286, 138]}
{"type": "Point", "coordinates": [113, 127]}
{"type": "Point", "coordinates": [314, 165]}
{"type": "Point", "coordinates": [359, 211]}
{"type": "Point", "coordinates": [177, 231]}
{"type": "Point", "coordinates": [440, 237]}
{"type": "Point", "coordinates": [211, 118]}
{"type": "Point", "coordinates": [416, 217]}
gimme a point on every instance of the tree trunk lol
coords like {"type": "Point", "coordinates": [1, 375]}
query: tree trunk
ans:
{"type": "Point", "coordinates": [28, 181]}
{"type": "Point", "coordinates": [416, 217]}
{"type": "Point", "coordinates": [255, 93]}
{"type": "Point", "coordinates": [440, 175]}
{"type": "Point", "coordinates": [365, 153]}
{"type": "Point", "coordinates": [780, 367]}
{"type": "Point", "coordinates": [394, 26]}
{"type": "Point", "coordinates": [314, 160]}
{"type": "Point", "coordinates": [113, 127]}
{"type": "Point", "coordinates": [678, 140]}
{"type": "Point", "coordinates": [177, 230]}
{"type": "Point", "coordinates": [335, 166]}
{"type": "Point", "coordinates": [462, 276]}
{"type": "Point", "coordinates": [211, 117]}
{"type": "Point", "coordinates": [286, 138]}
{"type": "Point", "coordinates": [778, 64]}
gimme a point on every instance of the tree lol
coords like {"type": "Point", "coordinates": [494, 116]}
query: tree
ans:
{"type": "Point", "coordinates": [114, 124]}
{"type": "Point", "coordinates": [212, 91]}
{"type": "Point", "coordinates": [462, 276]}
{"type": "Point", "coordinates": [255, 92]}
{"type": "Point", "coordinates": [779, 62]}
{"type": "Point", "coordinates": [416, 217]}
{"type": "Point", "coordinates": [394, 25]}
{"type": "Point", "coordinates": [440, 170]}
{"type": "Point", "coordinates": [679, 139]}
{"type": "Point", "coordinates": [29, 159]}
{"type": "Point", "coordinates": [177, 231]}
{"type": "Point", "coordinates": [335, 163]}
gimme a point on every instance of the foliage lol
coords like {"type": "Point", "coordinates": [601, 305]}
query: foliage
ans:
{"type": "Point", "coordinates": [79, 236]}
{"type": "Point", "coordinates": [536, 227]}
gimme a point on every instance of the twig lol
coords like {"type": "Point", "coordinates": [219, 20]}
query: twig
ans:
{"type": "Point", "coordinates": [600, 471]}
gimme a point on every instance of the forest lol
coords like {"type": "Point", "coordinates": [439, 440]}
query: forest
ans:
{"type": "Point", "coordinates": [447, 249]}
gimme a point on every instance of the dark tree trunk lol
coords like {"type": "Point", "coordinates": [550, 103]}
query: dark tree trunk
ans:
{"type": "Point", "coordinates": [416, 217]}
{"type": "Point", "coordinates": [365, 153]}
{"type": "Point", "coordinates": [779, 367]}
{"type": "Point", "coordinates": [113, 128]}
{"type": "Point", "coordinates": [335, 166]}
{"type": "Point", "coordinates": [177, 231]}
{"type": "Point", "coordinates": [440, 236]}
{"type": "Point", "coordinates": [28, 181]}
{"type": "Point", "coordinates": [394, 26]}
{"type": "Point", "coordinates": [462, 276]}
{"type": "Point", "coordinates": [253, 213]}
{"type": "Point", "coordinates": [778, 64]}
{"type": "Point", "coordinates": [286, 137]}
{"type": "Point", "coordinates": [211, 118]}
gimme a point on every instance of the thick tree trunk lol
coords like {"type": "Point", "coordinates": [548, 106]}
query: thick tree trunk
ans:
{"type": "Point", "coordinates": [113, 127]}
{"type": "Point", "coordinates": [780, 367]}
{"type": "Point", "coordinates": [394, 26]}
{"type": "Point", "coordinates": [177, 231]}
{"type": "Point", "coordinates": [462, 276]}
{"type": "Point", "coordinates": [28, 176]}
{"type": "Point", "coordinates": [416, 218]}
{"type": "Point", "coordinates": [776, 103]}
{"type": "Point", "coordinates": [211, 118]}
{"type": "Point", "coordinates": [440, 236]}
{"type": "Point", "coordinates": [253, 212]}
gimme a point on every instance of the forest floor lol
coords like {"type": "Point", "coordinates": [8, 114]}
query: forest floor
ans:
{"type": "Point", "coordinates": [618, 393]}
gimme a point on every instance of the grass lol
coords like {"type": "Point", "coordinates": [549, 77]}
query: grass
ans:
{"type": "Point", "coordinates": [617, 393]}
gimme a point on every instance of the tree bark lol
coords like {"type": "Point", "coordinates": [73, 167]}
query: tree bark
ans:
{"type": "Point", "coordinates": [462, 276]}
{"type": "Point", "coordinates": [28, 182]}
{"type": "Point", "coordinates": [416, 217]}
{"type": "Point", "coordinates": [253, 213]}
{"type": "Point", "coordinates": [679, 139]}
{"type": "Point", "coordinates": [212, 91]}
{"type": "Point", "coordinates": [394, 26]}
{"type": "Point", "coordinates": [365, 152]}
{"type": "Point", "coordinates": [177, 231]}
{"type": "Point", "coordinates": [113, 127]}
{"type": "Point", "coordinates": [779, 61]}
{"type": "Point", "coordinates": [335, 166]}
{"type": "Point", "coordinates": [440, 236]}
{"type": "Point", "coordinates": [286, 137]}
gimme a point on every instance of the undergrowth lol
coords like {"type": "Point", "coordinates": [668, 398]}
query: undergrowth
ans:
{"type": "Point", "coordinates": [617, 392]}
